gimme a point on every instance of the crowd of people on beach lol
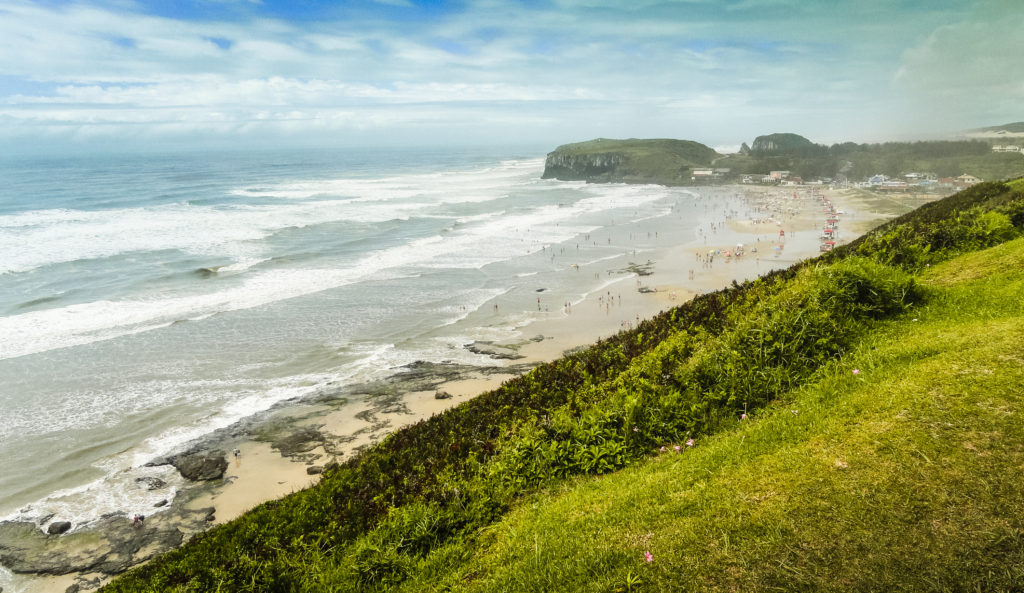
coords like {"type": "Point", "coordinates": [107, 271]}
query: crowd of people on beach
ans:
{"type": "Point", "coordinates": [767, 216]}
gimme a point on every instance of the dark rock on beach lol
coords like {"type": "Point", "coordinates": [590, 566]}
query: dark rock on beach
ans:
{"type": "Point", "coordinates": [301, 440]}
{"type": "Point", "coordinates": [201, 466]}
{"type": "Point", "coordinates": [58, 527]}
{"type": "Point", "coordinates": [494, 350]}
{"type": "Point", "coordinates": [151, 483]}
{"type": "Point", "coordinates": [205, 272]}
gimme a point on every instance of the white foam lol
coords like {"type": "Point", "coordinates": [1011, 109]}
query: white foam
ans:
{"type": "Point", "coordinates": [482, 240]}
{"type": "Point", "coordinates": [117, 490]}
{"type": "Point", "coordinates": [43, 237]}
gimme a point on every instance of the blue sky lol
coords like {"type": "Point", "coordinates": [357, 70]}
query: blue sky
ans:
{"type": "Point", "coordinates": [124, 73]}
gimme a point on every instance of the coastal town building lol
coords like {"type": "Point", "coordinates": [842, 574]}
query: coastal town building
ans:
{"type": "Point", "coordinates": [966, 180]}
{"type": "Point", "coordinates": [708, 174]}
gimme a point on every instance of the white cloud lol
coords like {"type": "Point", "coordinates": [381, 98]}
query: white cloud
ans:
{"type": "Point", "coordinates": [571, 65]}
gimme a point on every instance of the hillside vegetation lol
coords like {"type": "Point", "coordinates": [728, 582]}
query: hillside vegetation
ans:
{"type": "Point", "coordinates": [851, 423]}
{"type": "Point", "coordinates": [671, 162]}
{"type": "Point", "coordinates": [662, 161]}
{"type": "Point", "coordinates": [857, 162]}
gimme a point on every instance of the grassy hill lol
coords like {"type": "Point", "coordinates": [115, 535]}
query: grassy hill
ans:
{"type": "Point", "coordinates": [854, 424]}
{"type": "Point", "coordinates": [662, 161]}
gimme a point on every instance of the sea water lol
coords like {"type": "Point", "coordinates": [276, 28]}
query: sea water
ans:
{"type": "Point", "coordinates": [148, 299]}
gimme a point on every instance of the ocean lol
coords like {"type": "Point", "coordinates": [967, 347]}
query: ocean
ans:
{"type": "Point", "coordinates": [149, 299]}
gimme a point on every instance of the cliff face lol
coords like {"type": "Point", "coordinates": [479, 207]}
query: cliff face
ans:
{"type": "Point", "coordinates": [603, 166]}
{"type": "Point", "coordinates": [658, 161]}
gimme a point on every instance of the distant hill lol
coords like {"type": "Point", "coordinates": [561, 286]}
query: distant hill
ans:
{"type": "Point", "coordinates": [673, 162]}
{"type": "Point", "coordinates": [1014, 128]}
{"type": "Point", "coordinates": [661, 161]}
{"type": "Point", "coordinates": [854, 162]}
{"type": "Point", "coordinates": [784, 144]}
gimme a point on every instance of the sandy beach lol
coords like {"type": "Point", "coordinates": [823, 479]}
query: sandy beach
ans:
{"type": "Point", "coordinates": [776, 228]}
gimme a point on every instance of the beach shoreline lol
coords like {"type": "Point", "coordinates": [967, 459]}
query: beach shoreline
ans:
{"type": "Point", "coordinates": [595, 317]}
{"type": "Point", "coordinates": [287, 448]}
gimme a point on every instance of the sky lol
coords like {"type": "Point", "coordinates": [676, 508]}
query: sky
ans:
{"type": "Point", "coordinates": [93, 74]}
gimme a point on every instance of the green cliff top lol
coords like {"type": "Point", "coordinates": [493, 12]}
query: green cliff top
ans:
{"type": "Point", "coordinates": [661, 161]}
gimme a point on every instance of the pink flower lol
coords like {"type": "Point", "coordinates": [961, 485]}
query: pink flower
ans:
{"type": "Point", "coordinates": [635, 429]}
{"type": "Point", "coordinates": [662, 449]}
{"type": "Point", "coordinates": [677, 447]}
{"type": "Point", "coordinates": [856, 371]}
{"type": "Point", "coordinates": [648, 557]}
{"type": "Point", "coordinates": [689, 443]}
{"type": "Point", "coordinates": [743, 416]}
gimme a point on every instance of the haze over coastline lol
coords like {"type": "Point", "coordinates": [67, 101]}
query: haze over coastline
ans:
{"type": "Point", "coordinates": [201, 74]}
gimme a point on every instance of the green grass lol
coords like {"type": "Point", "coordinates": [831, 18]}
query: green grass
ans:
{"type": "Point", "coordinates": [904, 476]}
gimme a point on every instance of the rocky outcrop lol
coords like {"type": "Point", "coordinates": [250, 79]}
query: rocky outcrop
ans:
{"type": "Point", "coordinates": [658, 161]}
{"type": "Point", "coordinates": [497, 351]}
{"type": "Point", "coordinates": [151, 483]}
{"type": "Point", "coordinates": [58, 527]}
{"type": "Point", "coordinates": [301, 440]}
{"type": "Point", "coordinates": [201, 465]}
{"type": "Point", "coordinates": [598, 167]}
{"type": "Point", "coordinates": [784, 144]}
